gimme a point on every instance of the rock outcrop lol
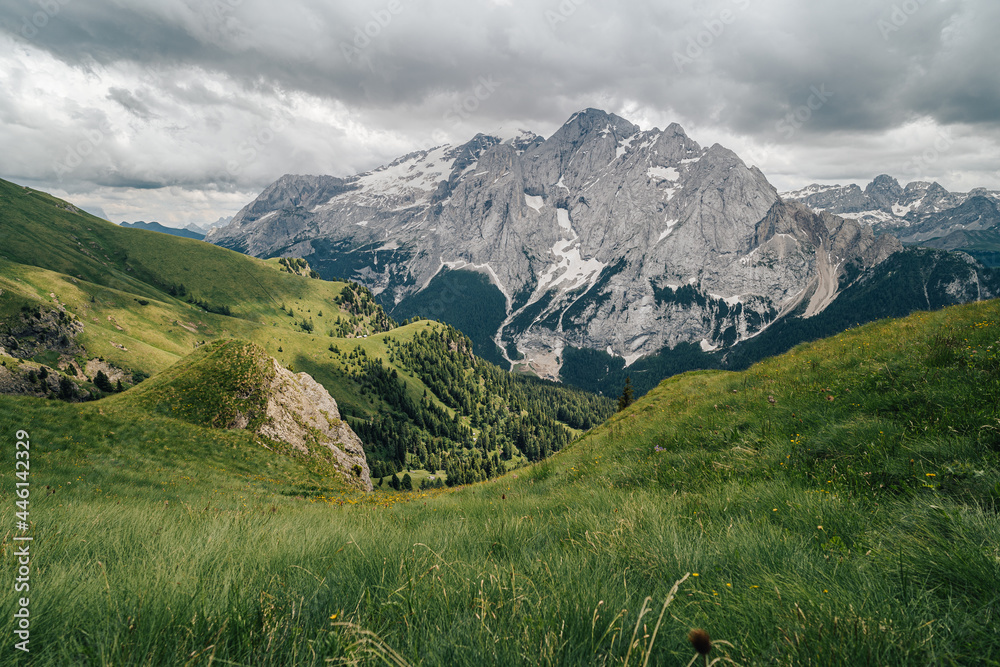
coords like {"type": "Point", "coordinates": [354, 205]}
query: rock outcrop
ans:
{"type": "Point", "coordinates": [301, 412]}
{"type": "Point", "coordinates": [235, 384]}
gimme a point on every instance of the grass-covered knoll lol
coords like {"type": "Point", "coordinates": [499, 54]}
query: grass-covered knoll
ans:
{"type": "Point", "coordinates": [214, 386]}
{"type": "Point", "coordinates": [835, 505]}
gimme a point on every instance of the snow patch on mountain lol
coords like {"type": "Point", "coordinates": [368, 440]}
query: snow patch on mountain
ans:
{"type": "Point", "coordinates": [562, 217]}
{"type": "Point", "coordinates": [670, 227]}
{"type": "Point", "coordinates": [663, 173]}
{"type": "Point", "coordinates": [421, 172]}
{"type": "Point", "coordinates": [624, 146]}
{"type": "Point", "coordinates": [570, 269]}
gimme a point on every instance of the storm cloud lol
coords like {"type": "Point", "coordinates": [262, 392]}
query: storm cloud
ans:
{"type": "Point", "coordinates": [182, 110]}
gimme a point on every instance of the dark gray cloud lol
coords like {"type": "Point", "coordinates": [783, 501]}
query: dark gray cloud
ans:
{"type": "Point", "coordinates": [223, 96]}
{"type": "Point", "coordinates": [131, 103]}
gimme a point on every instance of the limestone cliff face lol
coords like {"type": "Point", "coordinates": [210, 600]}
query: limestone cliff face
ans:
{"type": "Point", "coordinates": [302, 413]}
{"type": "Point", "coordinates": [602, 236]}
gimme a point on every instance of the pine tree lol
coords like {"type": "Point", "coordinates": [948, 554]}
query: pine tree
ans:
{"type": "Point", "coordinates": [626, 398]}
{"type": "Point", "coordinates": [103, 383]}
{"type": "Point", "coordinates": [407, 482]}
{"type": "Point", "coordinates": [67, 388]}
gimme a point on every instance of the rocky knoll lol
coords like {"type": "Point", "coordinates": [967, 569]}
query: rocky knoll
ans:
{"type": "Point", "coordinates": [301, 412]}
{"type": "Point", "coordinates": [236, 384]}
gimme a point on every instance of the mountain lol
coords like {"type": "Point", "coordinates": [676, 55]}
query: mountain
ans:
{"type": "Point", "coordinates": [157, 227]}
{"type": "Point", "coordinates": [205, 229]}
{"type": "Point", "coordinates": [921, 213]}
{"type": "Point", "coordinates": [601, 237]}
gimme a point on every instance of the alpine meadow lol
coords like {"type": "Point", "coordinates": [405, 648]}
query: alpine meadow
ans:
{"type": "Point", "coordinates": [554, 334]}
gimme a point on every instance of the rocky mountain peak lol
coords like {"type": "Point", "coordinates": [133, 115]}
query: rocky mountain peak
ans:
{"type": "Point", "coordinates": [583, 236]}
{"type": "Point", "coordinates": [884, 191]}
{"type": "Point", "coordinates": [596, 120]}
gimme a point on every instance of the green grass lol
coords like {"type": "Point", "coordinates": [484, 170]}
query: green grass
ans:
{"type": "Point", "coordinates": [116, 280]}
{"type": "Point", "coordinates": [851, 521]}
{"type": "Point", "coordinates": [210, 387]}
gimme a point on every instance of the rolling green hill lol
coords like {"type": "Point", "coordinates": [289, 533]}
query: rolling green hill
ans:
{"type": "Point", "coordinates": [80, 296]}
{"type": "Point", "coordinates": [834, 505]}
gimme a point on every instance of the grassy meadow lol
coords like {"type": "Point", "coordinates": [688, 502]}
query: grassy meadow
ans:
{"type": "Point", "coordinates": [836, 505]}
{"type": "Point", "coordinates": [118, 281]}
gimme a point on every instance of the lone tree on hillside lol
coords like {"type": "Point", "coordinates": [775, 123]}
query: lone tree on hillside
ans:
{"type": "Point", "coordinates": [103, 383]}
{"type": "Point", "coordinates": [626, 398]}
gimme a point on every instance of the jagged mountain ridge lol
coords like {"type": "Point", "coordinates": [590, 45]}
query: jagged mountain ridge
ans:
{"type": "Point", "coordinates": [602, 236]}
{"type": "Point", "coordinates": [920, 213]}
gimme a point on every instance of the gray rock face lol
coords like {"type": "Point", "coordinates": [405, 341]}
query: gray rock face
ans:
{"type": "Point", "coordinates": [978, 213]}
{"type": "Point", "coordinates": [883, 192]}
{"type": "Point", "coordinates": [601, 236]}
{"type": "Point", "coordinates": [302, 413]}
{"type": "Point", "coordinates": [916, 213]}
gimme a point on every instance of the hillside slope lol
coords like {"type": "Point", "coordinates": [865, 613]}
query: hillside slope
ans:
{"type": "Point", "coordinates": [124, 304]}
{"type": "Point", "coordinates": [835, 505]}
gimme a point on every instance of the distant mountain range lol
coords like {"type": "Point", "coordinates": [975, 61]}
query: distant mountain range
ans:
{"type": "Point", "coordinates": [602, 239]}
{"type": "Point", "coordinates": [920, 213]}
{"type": "Point", "coordinates": [163, 229]}
{"type": "Point", "coordinates": [190, 231]}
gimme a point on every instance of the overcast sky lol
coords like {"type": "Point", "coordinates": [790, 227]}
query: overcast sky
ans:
{"type": "Point", "coordinates": [184, 110]}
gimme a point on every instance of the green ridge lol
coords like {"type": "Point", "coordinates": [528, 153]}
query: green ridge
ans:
{"type": "Point", "coordinates": [147, 300]}
{"type": "Point", "coordinates": [834, 505]}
